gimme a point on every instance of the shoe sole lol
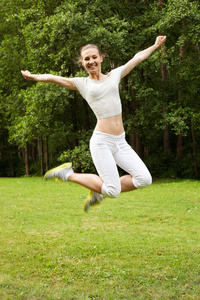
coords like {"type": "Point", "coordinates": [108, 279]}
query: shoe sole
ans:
{"type": "Point", "coordinates": [59, 168]}
{"type": "Point", "coordinates": [89, 197]}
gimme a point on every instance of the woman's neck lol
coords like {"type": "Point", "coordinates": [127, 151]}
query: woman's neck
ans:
{"type": "Point", "coordinates": [97, 77]}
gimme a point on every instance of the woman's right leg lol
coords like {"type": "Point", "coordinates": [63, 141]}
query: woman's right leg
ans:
{"type": "Point", "coordinates": [65, 172]}
{"type": "Point", "coordinates": [107, 183]}
{"type": "Point", "coordinates": [91, 181]}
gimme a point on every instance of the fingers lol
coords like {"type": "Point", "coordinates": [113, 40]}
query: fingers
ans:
{"type": "Point", "coordinates": [26, 74]}
{"type": "Point", "coordinates": [163, 38]}
{"type": "Point", "coordinates": [23, 74]}
{"type": "Point", "coordinates": [160, 40]}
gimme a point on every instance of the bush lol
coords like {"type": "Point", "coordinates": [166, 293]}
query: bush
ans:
{"type": "Point", "coordinates": [80, 158]}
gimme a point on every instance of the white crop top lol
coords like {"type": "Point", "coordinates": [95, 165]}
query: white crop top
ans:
{"type": "Point", "coordinates": [102, 96]}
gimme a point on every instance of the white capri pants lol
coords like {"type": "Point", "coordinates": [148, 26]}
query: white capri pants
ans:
{"type": "Point", "coordinates": [107, 152]}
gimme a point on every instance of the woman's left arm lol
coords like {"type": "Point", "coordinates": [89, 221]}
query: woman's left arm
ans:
{"type": "Point", "coordinates": [142, 55]}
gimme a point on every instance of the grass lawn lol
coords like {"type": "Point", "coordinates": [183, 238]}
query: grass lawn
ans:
{"type": "Point", "coordinates": [142, 245]}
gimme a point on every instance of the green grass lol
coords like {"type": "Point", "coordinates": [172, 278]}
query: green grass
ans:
{"type": "Point", "coordinates": [142, 245]}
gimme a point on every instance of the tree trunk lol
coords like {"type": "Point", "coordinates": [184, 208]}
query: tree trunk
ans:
{"type": "Point", "coordinates": [41, 156]}
{"type": "Point", "coordinates": [26, 160]}
{"type": "Point", "coordinates": [73, 106]}
{"type": "Point", "coordinates": [86, 115]}
{"type": "Point", "coordinates": [130, 108]}
{"type": "Point", "coordinates": [10, 163]}
{"type": "Point", "coordinates": [47, 154]}
{"type": "Point", "coordinates": [34, 150]}
{"type": "Point", "coordinates": [166, 139]}
{"type": "Point", "coordinates": [194, 150]}
{"type": "Point", "coordinates": [139, 148]}
{"type": "Point", "coordinates": [179, 146]}
{"type": "Point", "coordinates": [198, 49]}
{"type": "Point", "coordinates": [179, 136]}
{"type": "Point", "coordinates": [132, 138]}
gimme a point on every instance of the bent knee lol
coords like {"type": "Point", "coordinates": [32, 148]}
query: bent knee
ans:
{"type": "Point", "coordinates": [147, 180]}
{"type": "Point", "coordinates": [142, 181]}
{"type": "Point", "coordinates": [111, 191]}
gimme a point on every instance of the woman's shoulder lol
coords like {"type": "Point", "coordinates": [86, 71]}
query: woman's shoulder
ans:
{"type": "Point", "coordinates": [80, 83]}
{"type": "Point", "coordinates": [80, 79]}
{"type": "Point", "coordinates": [118, 71]}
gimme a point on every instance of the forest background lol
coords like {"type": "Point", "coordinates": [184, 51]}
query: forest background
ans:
{"type": "Point", "coordinates": [42, 125]}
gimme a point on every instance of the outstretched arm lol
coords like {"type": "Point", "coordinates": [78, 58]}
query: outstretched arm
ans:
{"type": "Point", "coordinates": [142, 55]}
{"type": "Point", "coordinates": [62, 81]}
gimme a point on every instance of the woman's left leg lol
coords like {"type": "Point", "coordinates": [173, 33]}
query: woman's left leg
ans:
{"type": "Point", "coordinates": [127, 183]}
{"type": "Point", "coordinates": [138, 176]}
{"type": "Point", "coordinates": [91, 181]}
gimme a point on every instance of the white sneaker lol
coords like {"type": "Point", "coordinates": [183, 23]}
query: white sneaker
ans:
{"type": "Point", "coordinates": [92, 199]}
{"type": "Point", "coordinates": [60, 173]}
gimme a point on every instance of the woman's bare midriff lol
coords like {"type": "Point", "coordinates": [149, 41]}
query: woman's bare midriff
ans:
{"type": "Point", "coordinates": [112, 125]}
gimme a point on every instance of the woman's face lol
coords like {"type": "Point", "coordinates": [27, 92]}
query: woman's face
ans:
{"type": "Point", "coordinates": [91, 60]}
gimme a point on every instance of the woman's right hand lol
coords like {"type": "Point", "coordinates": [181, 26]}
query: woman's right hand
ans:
{"type": "Point", "coordinates": [27, 75]}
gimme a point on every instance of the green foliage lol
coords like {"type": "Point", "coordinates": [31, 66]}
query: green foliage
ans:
{"type": "Point", "coordinates": [179, 119]}
{"type": "Point", "coordinates": [80, 156]}
{"type": "Point", "coordinates": [45, 109]}
{"type": "Point", "coordinates": [46, 36]}
{"type": "Point", "coordinates": [169, 166]}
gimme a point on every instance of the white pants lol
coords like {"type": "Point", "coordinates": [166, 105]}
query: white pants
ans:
{"type": "Point", "coordinates": [107, 152]}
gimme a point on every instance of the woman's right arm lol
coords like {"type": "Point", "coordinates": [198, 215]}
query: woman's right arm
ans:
{"type": "Point", "coordinates": [59, 80]}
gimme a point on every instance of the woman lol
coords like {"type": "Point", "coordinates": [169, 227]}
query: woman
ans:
{"type": "Point", "coordinates": [107, 145]}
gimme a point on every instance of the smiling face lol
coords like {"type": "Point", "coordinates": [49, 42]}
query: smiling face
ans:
{"type": "Point", "coordinates": [91, 60]}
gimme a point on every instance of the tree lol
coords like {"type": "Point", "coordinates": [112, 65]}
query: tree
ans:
{"type": "Point", "coordinates": [161, 93]}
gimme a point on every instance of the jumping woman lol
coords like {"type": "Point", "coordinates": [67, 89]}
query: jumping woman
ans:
{"type": "Point", "coordinates": [108, 145]}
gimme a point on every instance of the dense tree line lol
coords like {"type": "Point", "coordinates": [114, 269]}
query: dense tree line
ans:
{"type": "Point", "coordinates": [42, 124]}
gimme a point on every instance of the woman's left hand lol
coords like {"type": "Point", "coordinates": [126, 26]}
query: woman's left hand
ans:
{"type": "Point", "coordinates": [160, 40]}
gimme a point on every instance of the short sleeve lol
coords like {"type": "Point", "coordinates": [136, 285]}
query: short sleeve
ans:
{"type": "Point", "coordinates": [81, 84]}
{"type": "Point", "coordinates": [117, 74]}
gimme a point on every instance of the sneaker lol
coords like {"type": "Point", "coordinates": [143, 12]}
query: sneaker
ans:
{"type": "Point", "coordinates": [92, 199]}
{"type": "Point", "coordinates": [60, 173]}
